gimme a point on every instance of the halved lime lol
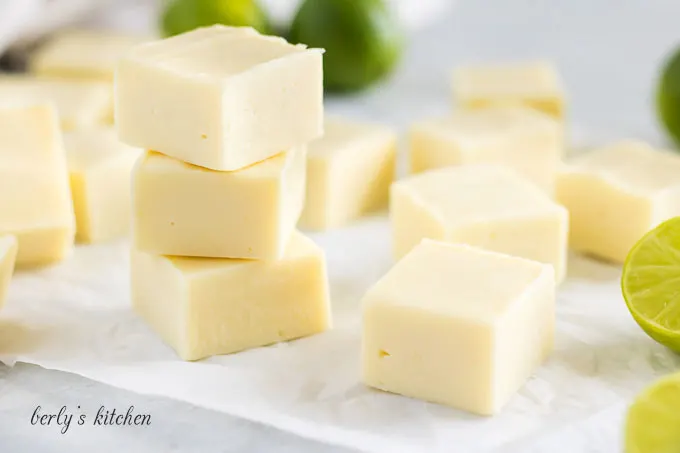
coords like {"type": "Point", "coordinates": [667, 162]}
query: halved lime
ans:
{"type": "Point", "coordinates": [651, 283]}
{"type": "Point", "coordinates": [653, 422]}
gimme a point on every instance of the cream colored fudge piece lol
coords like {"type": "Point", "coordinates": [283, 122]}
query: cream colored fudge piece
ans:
{"type": "Point", "coordinates": [521, 138]}
{"type": "Point", "coordinates": [35, 205]}
{"type": "Point", "coordinates": [535, 84]}
{"type": "Point", "coordinates": [487, 206]}
{"type": "Point", "coordinates": [182, 209]}
{"type": "Point", "coordinates": [8, 254]}
{"type": "Point", "coordinates": [83, 54]}
{"type": "Point", "coordinates": [100, 168]}
{"type": "Point", "coordinates": [459, 326]}
{"type": "Point", "coordinates": [616, 194]}
{"type": "Point", "coordinates": [349, 171]}
{"type": "Point", "coordinates": [79, 103]}
{"type": "Point", "coordinates": [209, 306]}
{"type": "Point", "coordinates": [220, 97]}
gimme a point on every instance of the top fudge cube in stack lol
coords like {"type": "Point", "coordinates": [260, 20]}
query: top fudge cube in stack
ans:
{"type": "Point", "coordinates": [219, 97]}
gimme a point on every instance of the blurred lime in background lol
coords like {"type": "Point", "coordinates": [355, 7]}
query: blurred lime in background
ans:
{"type": "Point", "coordinates": [668, 96]}
{"type": "Point", "coordinates": [362, 39]}
{"type": "Point", "coordinates": [180, 16]}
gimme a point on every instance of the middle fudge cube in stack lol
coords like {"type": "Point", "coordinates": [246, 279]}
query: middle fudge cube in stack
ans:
{"type": "Point", "coordinates": [225, 114]}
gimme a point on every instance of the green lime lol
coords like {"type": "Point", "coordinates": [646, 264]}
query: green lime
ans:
{"type": "Point", "coordinates": [184, 15]}
{"type": "Point", "coordinates": [650, 283]}
{"type": "Point", "coordinates": [668, 96]}
{"type": "Point", "coordinates": [362, 39]}
{"type": "Point", "coordinates": [653, 422]}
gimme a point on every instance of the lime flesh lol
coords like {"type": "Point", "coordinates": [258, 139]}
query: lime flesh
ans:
{"type": "Point", "coordinates": [653, 422]}
{"type": "Point", "coordinates": [651, 283]}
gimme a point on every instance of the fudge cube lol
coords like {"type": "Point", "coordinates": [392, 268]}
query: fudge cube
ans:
{"type": "Point", "coordinates": [209, 306]}
{"type": "Point", "coordinates": [35, 200]}
{"type": "Point", "coordinates": [349, 171]}
{"type": "Point", "coordinates": [459, 326]}
{"type": "Point", "coordinates": [183, 209]}
{"type": "Point", "coordinates": [616, 194]}
{"type": "Point", "coordinates": [8, 254]}
{"type": "Point", "coordinates": [100, 168]}
{"type": "Point", "coordinates": [82, 54]}
{"type": "Point", "coordinates": [487, 206]}
{"type": "Point", "coordinates": [80, 104]}
{"type": "Point", "coordinates": [534, 84]}
{"type": "Point", "coordinates": [524, 139]}
{"type": "Point", "coordinates": [220, 97]}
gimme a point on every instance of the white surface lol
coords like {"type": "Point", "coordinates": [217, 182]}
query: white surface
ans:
{"type": "Point", "coordinates": [76, 316]}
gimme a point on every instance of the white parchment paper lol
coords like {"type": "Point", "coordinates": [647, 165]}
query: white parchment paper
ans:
{"type": "Point", "coordinates": [76, 317]}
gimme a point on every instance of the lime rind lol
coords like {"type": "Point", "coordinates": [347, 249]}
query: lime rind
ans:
{"type": "Point", "coordinates": [653, 420]}
{"type": "Point", "coordinates": [651, 283]}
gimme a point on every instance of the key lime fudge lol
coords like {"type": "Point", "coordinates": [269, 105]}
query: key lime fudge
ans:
{"type": "Point", "coordinates": [349, 171]}
{"type": "Point", "coordinates": [484, 205]}
{"type": "Point", "coordinates": [457, 325]}
{"type": "Point", "coordinates": [8, 254]}
{"type": "Point", "coordinates": [203, 306]}
{"type": "Point", "coordinates": [183, 209]}
{"type": "Point", "coordinates": [80, 104]}
{"type": "Point", "coordinates": [82, 54]}
{"type": "Point", "coordinates": [526, 140]}
{"type": "Point", "coordinates": [35, 205]}
{"type": "Point", "coordinates": [535, 84]}
{"type": "Point", "coordinates": [616, 194]}
{"type": "Point", "coordinates": [220, 97]}
{"type": "Point", "coordinates": [100, 169]}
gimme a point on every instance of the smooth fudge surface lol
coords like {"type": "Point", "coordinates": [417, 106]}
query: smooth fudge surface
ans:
{"type": "Point", "coordinates": [35, 205]}
{"type": "Point", "coordinates": [535, 84]}
{"type": "Point", "coordinates": [616, 194]}
{"type": "Point", "coordinates": [80, 104]}
{"type": "Point", "coordinates": [183, 209]}
{"type": "Point", "coordinates": [521, 138]}
{"type": "Point", "coordinates": [457, 325]}
{"type": "Point", "coordinates": [207, 306]}
{"type": "Point", "coordinates": [220, 97]}
{"type": "Point", "coordinates": [349, 171]}
{"type": "Point", "coordinates": [100, 169]}
{"type": "Point", "coordinates": [8, 254]}
{"type": "Point", "coordinates": [83, 54]}
{"type": "Point", "coordinates": [484, 205]}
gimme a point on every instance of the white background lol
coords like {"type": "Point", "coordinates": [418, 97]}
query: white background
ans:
{"type": "Point", "coordinates": [609, 53]}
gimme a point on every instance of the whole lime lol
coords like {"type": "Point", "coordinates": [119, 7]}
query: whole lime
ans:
{"type": "Point", "coordinates": [181, 16]}
{"type": "Point", "coordinates": [668, 96]}
{"type": "Point", "coordinates": [362, 39]}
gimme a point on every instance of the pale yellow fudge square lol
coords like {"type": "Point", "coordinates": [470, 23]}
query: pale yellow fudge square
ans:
{"type": "Point", "coordinates": [220, 97]}
{"type": "Point", "coordinates": [8, 254]}
{"type": "Point", "coordinates": [459, 326]}
{"type": "Point", "coordinates": [616, 194]}
{"type": "Point", "coordinates": [349, 171]}
{"type": "Point", "coordinates": [487, 206]}
{"type": "Point", "coordinates": [183, 209]}
{"type": "Point", "coordinates": [209, 306]}
{"type": "Point", "coordinates": [35, 205]}
{"type": "Point", "coordinates": [535, 84]}
{"type": "Point", "coordinates": [523, 139]}
{"type": "Point", "coordinates": [80, 104]}
{"type": "Point", "coordinates": [100, 169]}
{"type": "Point", "coordinates": [84, 54]}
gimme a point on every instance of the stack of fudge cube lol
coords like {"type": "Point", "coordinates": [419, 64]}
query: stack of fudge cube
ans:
{"type": "Point", "coordinates": [225, 115]}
